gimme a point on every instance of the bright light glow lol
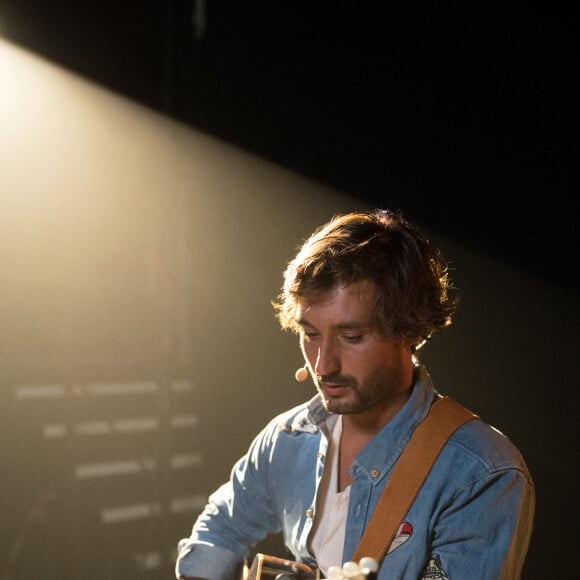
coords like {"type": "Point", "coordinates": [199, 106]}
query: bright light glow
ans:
{"type": "Point", "coordinates": [106, 206]}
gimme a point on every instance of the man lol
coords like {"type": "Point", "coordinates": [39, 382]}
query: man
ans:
{"type": "Point", "coordinates": [364, 294]}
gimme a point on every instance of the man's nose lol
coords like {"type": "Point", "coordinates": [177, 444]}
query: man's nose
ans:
{"type": "Point", "coordinates": [327, 360]}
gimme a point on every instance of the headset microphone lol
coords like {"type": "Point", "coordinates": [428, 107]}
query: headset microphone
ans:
{"type": "Point", "coordinates": [301, 374]}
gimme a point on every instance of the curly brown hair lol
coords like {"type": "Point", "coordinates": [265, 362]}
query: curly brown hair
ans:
{"type": "Point", "coordinates": [415, 296]}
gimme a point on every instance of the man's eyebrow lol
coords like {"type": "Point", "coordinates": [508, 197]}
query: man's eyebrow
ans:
{"type": "Point", "coordinates": [353, 325]}
{"type": "Point", "coordinates": [347, 325]}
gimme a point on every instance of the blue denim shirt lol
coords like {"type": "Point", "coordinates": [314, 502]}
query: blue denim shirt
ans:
{"type": "Point", "coordinates": [471, 519]}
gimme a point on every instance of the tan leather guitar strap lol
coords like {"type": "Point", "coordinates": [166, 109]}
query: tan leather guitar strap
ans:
{"type": "Point", "coordinates": [411, 469]}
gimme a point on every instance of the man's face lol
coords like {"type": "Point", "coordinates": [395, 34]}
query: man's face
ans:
{"type": "Point", "coordinates": [354, 368]}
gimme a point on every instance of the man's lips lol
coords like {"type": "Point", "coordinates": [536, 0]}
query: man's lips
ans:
{"type": "Point", "coordinates": [334, 389]}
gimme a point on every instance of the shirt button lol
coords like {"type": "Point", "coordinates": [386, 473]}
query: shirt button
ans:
{"type": "Point", "coordinates": [309, 512]}
{"type": "Point", "coordinates": [374, 472]}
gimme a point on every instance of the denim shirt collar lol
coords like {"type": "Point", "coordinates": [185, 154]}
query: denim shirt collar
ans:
{"type": "Point", "coordinates": [378, 457]}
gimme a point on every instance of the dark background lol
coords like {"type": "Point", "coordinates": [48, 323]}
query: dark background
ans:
{"type": "Point", "coordinates": [463, 116]}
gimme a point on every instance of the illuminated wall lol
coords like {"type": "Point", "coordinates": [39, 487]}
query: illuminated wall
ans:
{"type": "Point", "coordinates": [139, 259]}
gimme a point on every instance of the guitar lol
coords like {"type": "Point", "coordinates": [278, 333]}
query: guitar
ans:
{"type": "Point", "coordinates": [264, 566]}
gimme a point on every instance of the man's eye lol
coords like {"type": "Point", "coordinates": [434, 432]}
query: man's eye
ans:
{"type": "Point", "coordinates": [310, 336]}
{"type": "Point", "coordinates": [353, 339]}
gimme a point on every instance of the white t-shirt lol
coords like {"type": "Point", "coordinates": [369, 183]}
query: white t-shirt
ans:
{"type": "Point", "coordinates": [327, 538]}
